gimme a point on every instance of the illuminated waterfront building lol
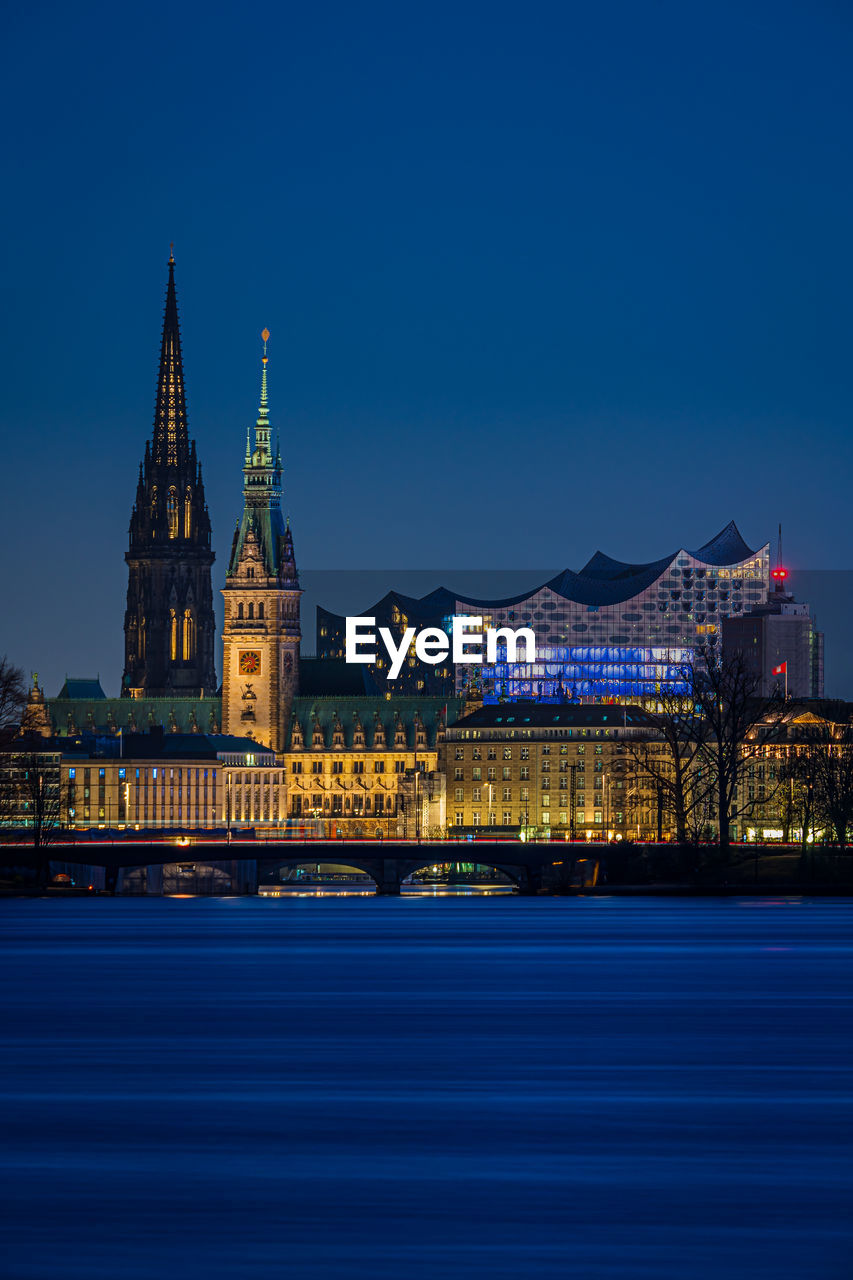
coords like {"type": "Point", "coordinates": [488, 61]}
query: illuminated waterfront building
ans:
{"type": "Point", "coordinates": [614, 630]}
{"type": "Point", "coordinates": [544, 769]}
{"type": "Point", "coordinates": [169, 624]}
{"type": "Point", "coordinates": [347, 768]}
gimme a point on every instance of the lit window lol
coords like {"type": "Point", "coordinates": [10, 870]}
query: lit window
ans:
{"type": "Point", "coordinates": [172, 512]}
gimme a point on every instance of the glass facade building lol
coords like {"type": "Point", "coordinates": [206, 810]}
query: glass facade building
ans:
{"type": "Point", "coordinates": [611, 631]}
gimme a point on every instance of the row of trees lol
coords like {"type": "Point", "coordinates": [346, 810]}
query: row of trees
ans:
{"type": "Point", "coordinates": [710, 738]}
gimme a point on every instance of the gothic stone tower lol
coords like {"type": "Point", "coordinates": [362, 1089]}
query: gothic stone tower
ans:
{"type": "Point", "coordinates": [169, 622]}
{"type": "Point", "coordinates": [262, 634]}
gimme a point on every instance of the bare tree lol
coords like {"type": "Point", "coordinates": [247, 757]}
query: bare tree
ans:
{"type": "Point", "coordinates": [799, 784]}
{"type": "Point", "coordinates": [31, 799]}
{"type": "Point", "coordinates": [737, 721]}
{"type": "Point", "coordinates": [672, 763]}
{"type": "Point", "coordinates": [13, 697]}
{"type": "Point", "coordinates": [834, 781]}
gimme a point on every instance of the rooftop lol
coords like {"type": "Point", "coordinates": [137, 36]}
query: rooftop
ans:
{"type": "Point", "coordinates": [544, 715]}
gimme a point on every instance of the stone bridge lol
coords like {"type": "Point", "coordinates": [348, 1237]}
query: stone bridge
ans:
{"type": "Point", "coordinates": [387, 862]}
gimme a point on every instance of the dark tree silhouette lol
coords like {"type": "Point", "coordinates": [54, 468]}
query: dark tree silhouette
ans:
{"type": "Point", "coordinates": [31, 799]}
{"type": "Point", "coordinates": [798, 782]}
{"type": "Point", "coordinates": [13, 697]}
{"type": "Point", "coordinates": [833, 768]}
{"type": "Point", "coordinates": [673, 763]}
{"type": "Point", "coordinates": [737, 724]}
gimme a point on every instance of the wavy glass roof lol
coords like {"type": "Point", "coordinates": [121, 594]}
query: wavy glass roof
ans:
{"type": "Point", "coordinates": [602, 581]}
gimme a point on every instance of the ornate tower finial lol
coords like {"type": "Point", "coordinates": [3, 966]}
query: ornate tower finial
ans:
{"type": "Point", "coordinates": [172, 254]}
{"type": "Point", "coordinates": [262, 435]}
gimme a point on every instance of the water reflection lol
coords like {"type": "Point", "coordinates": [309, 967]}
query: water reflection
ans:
{"type": "Point", "coordinates": [394, 1089]}
{"type": "Point", "coordinates": [407, 889]}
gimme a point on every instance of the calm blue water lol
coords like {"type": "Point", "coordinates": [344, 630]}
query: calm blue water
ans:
{"type": "Point", "coordinates": [427, 1087]}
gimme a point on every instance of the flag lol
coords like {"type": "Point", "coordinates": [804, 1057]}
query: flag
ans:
{"type": "Point", "coordinates": [781, 670]}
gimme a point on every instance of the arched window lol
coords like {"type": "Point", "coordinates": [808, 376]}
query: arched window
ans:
{"type": "Point", "coordinates": [239, 610]}
{"type": "Point", "coordinates": [153, 501]}
{"type": "Point", "coordinates": [188, 515]}
{"type": "Point", "coordinates": [189, 635]}
{"type": "Point", "coordinates": [173, 635]}
{"type": "Point", "coordinates": [172, 512]}
{"type": "Point", "coordinates": [251, 611]}
{"type": "Point", "coordinates": [261, 610]}
{"type": "Point", "coordinates": [142, 638]}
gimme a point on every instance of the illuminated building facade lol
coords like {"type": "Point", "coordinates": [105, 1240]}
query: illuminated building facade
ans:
{"type": "Point", "coordinates": [169, 623]}
{"type": "Point", "coordinates": [539, 768]}
{"type": "Point", "coordinates": [352, 763]}
{"type": "Point", "coordinates": [347, 768]}
{"type": "Point", "coordinates": [614, 630]}
{"type": "Point", "coordinates": [261, 634]}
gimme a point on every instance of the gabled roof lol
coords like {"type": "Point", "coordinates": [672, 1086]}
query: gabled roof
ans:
{"type": "Point", "coordinates": [86, 687]}
{"type": "Point", "coordinates": [368, 711]}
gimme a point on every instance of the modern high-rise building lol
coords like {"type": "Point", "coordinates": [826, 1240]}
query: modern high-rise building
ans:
{"type": "Point", "coordinates": [261, 634]}
{"type": "Point", "coordinates": [779, 643]}
{"type": "Point", "coordinates": [169, 622]}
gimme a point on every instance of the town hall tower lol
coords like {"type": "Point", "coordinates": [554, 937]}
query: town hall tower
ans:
{"type": "Point", "coordinates": [262, 631]}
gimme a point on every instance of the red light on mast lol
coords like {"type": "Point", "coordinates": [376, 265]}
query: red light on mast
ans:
{"type": "Point", "coordinates": [778, 575]}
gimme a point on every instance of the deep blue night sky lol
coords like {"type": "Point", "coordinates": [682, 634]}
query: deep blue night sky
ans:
{"type": "Point", "coordinates": [539, 279]}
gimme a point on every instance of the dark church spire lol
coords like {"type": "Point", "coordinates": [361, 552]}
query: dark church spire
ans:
{"type": "Point", "coordinates": [169, 622]}
{"type": "Point", "coordinates": [170, 415]}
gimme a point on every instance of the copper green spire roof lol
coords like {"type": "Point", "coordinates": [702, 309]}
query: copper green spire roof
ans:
{"type": "Point", "coordinates": [171, 442]}
{"type": "Point", "coordinates": [262, 496]}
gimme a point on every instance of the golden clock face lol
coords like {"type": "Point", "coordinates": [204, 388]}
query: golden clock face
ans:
{"type": "Point", "coordinates": [250, 662]}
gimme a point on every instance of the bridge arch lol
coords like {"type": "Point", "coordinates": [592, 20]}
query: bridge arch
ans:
{"type": "Point", "coordinates": [511, 875]}
{"type": "Point", "coordinates": [344, 862]}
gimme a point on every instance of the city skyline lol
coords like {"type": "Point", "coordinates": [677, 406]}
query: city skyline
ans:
{"type": "Point", "coordinates": [492, 286]}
